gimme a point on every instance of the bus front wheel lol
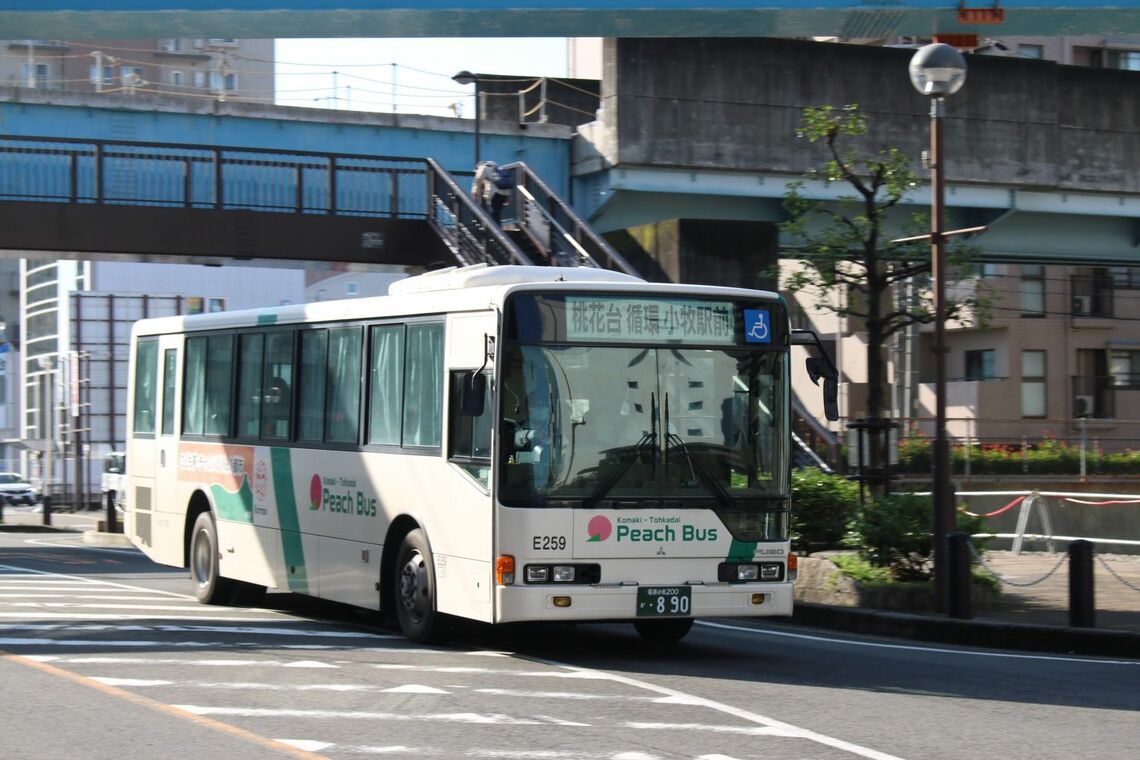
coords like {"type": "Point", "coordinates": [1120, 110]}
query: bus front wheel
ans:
{"type": "Point", "coordinates": [415, 589]}
{"type": "Point", "coordinates": [667, 631]}
{"type": "Point", "coordinates": [209, 586]}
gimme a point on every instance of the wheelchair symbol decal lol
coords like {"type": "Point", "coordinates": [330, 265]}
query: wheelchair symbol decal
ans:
{"type": "Point", "coordinates": [757, 327]}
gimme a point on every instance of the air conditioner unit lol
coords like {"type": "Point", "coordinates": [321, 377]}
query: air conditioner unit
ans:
{"type": "Point", "coordinates": [1082, 306]}
{"type": "Point", "coordinates": [1084, 406]}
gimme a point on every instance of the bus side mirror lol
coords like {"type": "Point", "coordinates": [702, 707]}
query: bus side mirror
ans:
{"type": "Point", "coordinates": [472, 394]}
{"type": "Point", "coordinates": [818, 367]}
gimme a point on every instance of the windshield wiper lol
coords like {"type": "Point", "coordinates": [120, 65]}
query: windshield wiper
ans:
{"type": "Point", "coordinates": [707, 478]}
{"type": "Point", "coordinates": [647, 441]}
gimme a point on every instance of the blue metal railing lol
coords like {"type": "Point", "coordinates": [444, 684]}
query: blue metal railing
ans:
{"type": "Point", "coordinates": [102, 172]}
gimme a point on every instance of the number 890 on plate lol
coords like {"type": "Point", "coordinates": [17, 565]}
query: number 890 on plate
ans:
{"type": "Point", "coordinates": [664, 601]}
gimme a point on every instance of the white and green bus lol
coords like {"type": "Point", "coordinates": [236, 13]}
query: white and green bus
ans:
{"type": "Point", "coordinates": [492, 443]}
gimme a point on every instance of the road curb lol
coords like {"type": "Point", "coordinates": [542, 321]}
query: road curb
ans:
{"type": "Point", "coordinates": [981, 633]}
{"type": "Point", "coordinates": [102, 538]}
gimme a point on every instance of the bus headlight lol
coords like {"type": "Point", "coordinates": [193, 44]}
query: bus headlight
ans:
{"type": "Point", "coordinates": [581, 574]}
{"type": "Point", "coordinates": [747, 572]}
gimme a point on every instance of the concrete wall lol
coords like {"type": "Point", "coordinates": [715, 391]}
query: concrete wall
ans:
{"type": "Point", "coordinates": [736, 103]}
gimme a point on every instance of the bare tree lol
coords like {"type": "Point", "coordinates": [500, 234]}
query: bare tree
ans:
{"type": "Point", "coordinates": [845, 260]}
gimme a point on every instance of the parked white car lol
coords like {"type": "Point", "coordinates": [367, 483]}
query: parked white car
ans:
{"type": "Point", "coordinates": [113, 482]}
{"type": "Point", "coordinates": [16, 489]}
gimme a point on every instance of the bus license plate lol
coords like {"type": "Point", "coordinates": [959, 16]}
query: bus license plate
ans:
{"type": "Point", "coordinates": [664, 601]}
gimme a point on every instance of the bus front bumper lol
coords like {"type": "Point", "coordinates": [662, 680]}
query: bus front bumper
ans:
{"type": "Point", "coordinates": [519, 603]}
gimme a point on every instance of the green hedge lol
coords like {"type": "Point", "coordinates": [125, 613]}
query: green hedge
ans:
{"type": "Point", "coordinates": [896, 533]}
{"type": "Point", "coordinates": [822, 505]}
{"type": "Point", "coordinates": [1049, 457]}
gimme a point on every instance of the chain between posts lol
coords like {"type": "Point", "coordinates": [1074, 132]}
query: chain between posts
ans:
{"type": "Point", "coordinates": [1060, 560]}
{"type": "Point", "coordinates": [996, 574]}
{"type": "Point", "coordinates": [1114, 574]}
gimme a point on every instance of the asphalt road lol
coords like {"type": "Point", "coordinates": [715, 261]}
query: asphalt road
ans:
{"type": "Point", "coordinates": [106, 655]}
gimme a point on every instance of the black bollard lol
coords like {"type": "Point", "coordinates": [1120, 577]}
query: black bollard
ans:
{"type": "Point", "coordinates": [47, 509]}
{"type": "Point", "coordinates": [1082, 599]}
{"type": "Point", "coordinates": [961, 582]}
{"type": "Point", "coordinates": [111, 526]}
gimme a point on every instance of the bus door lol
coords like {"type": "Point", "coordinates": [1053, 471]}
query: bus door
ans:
{"type": "Point", "coordinates": [154, 446]}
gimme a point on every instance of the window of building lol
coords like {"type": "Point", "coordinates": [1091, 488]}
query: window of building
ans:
{"type": "Point", "coordinates": [199, 79]}
{"type": "Point", "coordinates": [176, 78]}
{"type": "Point", "coordinates": [1031, 51]}
{"type": "Point", "coordinates": [1033, 402]}
{"type": "Point", "coordinates": [38, 72]}
{"type": "Point", "coordinates": [216, 80]}
{"type": "Point", "coordinates": [1124, 368]}
{"type": "Point", "coordinates": [1032, 290]}
{"type": "Point", "coordinates": [108, 75]}
{"type": "Point", "coordinates": [980, 365]}
{"type": "Point", "coordinates": [131, 75]}
{"type": "Point", "coordinates": [1125, 278]}
{"type": "Point", "coordinates": [985, 270]}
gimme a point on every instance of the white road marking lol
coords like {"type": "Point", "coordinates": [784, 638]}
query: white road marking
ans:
{"type": "Point", "coordinates": [718, 729]}
{"type": "Point", "coordinates": [496, 719]}
{"type": "Point", "coordinates": [105, 660]}
{"type": "Point", "coordinates": [785, 729]}
{"type": "Point", "coordinates": [306, 744]}
{"type": "Point", "coordinates": [414, 688]}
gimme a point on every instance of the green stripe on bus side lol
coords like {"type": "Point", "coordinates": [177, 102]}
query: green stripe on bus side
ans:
{"type": "Point", "coordinates": [237, 507]}
{"type": "Point", "coordinates": [294, 550]}
{"type": "Point", "coordinates": [741, 551]}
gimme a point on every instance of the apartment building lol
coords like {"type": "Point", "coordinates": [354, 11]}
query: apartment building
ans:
{"type": "Point", "coordinates": [1059, 357]}
{"type": "Point", "coordinates": [229, 69]}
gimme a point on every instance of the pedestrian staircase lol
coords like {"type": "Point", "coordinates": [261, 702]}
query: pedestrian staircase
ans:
{"type": "Point", "coordinates": [539, 227]}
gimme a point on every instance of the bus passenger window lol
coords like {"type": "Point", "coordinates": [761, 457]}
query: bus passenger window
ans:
{"type": "Point", "coordinates": [277, 399]}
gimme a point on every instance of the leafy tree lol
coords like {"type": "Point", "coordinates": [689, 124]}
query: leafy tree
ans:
{"type": "Point", "coordinates": [847, 263]}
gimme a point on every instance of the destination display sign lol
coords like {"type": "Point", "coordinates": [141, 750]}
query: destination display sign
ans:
{"type": "Point", "coordinates": [598, 318]}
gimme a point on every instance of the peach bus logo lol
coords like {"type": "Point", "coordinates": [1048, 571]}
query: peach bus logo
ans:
{"type": "Point", "coordinates": [599, 528]}
{"type": "Point", "coordinates": [315, 492]}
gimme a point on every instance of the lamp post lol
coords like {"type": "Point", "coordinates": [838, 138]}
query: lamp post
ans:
{"type": "Point", "coordinates": [465, 78]}
{"type": "Point", "coordinates": [938, 70]}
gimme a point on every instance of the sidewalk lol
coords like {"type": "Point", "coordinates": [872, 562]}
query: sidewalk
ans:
{"type": "Point", "coordinates": [1032, 611]}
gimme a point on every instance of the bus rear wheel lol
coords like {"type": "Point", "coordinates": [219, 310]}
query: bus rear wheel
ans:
{"type": "Point", "coordinates": [667, 631]}
{"type": "Point", "coordinates": [209, 586]}
{"type": "Point", "coordinates": [415, 589]}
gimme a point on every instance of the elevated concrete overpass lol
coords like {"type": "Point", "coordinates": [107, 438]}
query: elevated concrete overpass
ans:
{"type": "Point", "coordinates": [1046, 155]}
{"type": "Point", "coordinates": [87, 19]}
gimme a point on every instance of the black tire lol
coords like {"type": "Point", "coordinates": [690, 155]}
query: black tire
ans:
{"type": "Point", "coordinates": [209, 586]}
{"type": "Point", "coordinates": [664, 631]}
{"type": "Point", "coordinates": [414, 581]}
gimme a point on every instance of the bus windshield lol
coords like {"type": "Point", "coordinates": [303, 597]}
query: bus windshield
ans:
{"type": "Point", "coordinates": [675, 426]}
